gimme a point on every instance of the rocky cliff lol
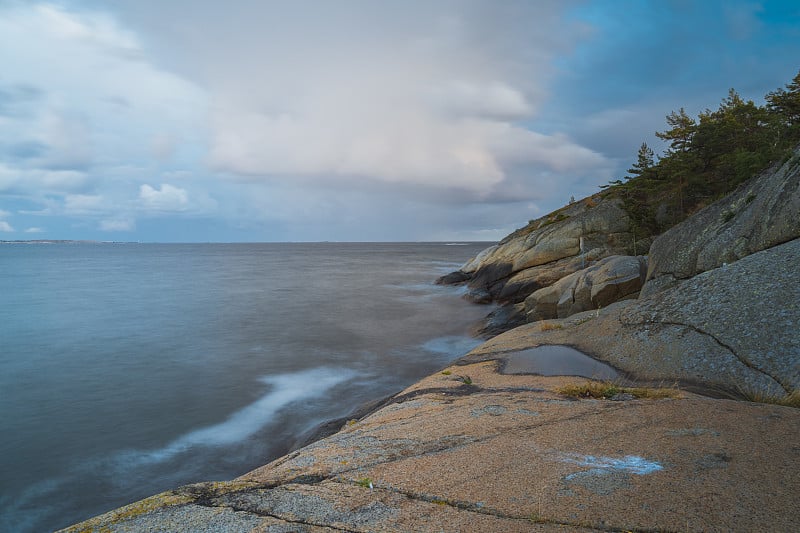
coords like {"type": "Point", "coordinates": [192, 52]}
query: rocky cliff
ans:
{"type": "Point", "coordinates": [720, 305]}
{"type": "Point", "coordinates": [547, 249]}
{"type": "Point", "coordinates": [761, 213]}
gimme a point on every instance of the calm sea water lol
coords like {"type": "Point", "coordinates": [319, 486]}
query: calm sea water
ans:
{"type": "Point", "coordinates": [128, 369]}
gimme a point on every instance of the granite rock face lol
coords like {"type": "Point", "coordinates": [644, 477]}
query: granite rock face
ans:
{"type": "Point", "coordinates": [492, 455]}
{"type": "Point", "coordinates": [732, 328]}
{"type": "Point", "coordinates": [542, 253]}
{"type": "Point", "coordinates": [548, 249]}
{"type": "Point", "coordinates": [609, 280]}
{"type": "Point", "coordinates": [761, 213]}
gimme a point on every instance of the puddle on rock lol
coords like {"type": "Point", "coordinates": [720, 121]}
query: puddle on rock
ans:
{"type": "Point", "coordinates": [554, 360]}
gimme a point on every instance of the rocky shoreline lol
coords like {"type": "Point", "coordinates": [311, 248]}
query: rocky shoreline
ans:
{"type": "Point", "coordinates": [473, 449]}
{"type": "Point", "coordinates": [714, 306]}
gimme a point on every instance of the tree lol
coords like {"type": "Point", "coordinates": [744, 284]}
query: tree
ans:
{"type": "Point", "coordinates": [784, 106]}
{"type": "Point", "coordinates": [734, 142]}
{"type": "Point", "coordinates": [679, 159]}
{"type": "Point", "coordinates": [682, 131]}
{"type": "Point", "coordinates": [786, 102]}
{"type": "Point", "coordinates": [645, 160]}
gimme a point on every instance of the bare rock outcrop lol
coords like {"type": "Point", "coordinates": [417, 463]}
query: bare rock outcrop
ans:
{"type": "Point", "coordinates": [609, 280]}
{"type": "Point", "coordinates": [550, 248]}
{"type": "Point", "coordinates": [761, 213]}
{"type": "Point", "coordinates": [543, 252]}
{"type": "Point", "coordinates": [732, 328]}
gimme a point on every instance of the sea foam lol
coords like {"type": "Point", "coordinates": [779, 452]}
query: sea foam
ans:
{"type": "Point", "coordinates": [284, 390]}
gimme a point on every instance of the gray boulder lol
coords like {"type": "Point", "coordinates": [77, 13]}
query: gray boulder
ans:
{"type": "Point", "coordinates": [609, 280]}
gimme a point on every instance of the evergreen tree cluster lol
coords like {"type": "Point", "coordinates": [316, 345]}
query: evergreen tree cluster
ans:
{"type": "Point", "coordinates": [707, 157]}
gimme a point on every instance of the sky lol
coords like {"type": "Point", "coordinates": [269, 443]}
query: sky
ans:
{"type": "Point", "coordinates": [354, 120]}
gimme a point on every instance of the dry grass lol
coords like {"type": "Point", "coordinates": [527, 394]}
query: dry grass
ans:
{"type": "Point", "coordinates": [550, 326]}
{"type": "Point", "coordinates": [791, 399]}
{"type": "Point", "coordinates": [606, 391]}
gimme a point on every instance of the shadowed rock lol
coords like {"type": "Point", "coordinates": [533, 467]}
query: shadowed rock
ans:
{"type": "Point", "coordinates": [761, 213]}
{"type": "Point", "coordinates": [609, 280]}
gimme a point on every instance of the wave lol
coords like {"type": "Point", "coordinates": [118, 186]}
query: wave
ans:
{"type": "Point", "coordinates": [453, 345]}
{"type": "Point", "coordinates": [284, 389]}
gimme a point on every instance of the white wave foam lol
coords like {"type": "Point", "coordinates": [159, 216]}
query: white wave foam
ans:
{"type": "Point", "coordinates": [453, 345]}
{"type": "Point", "coordinates": [285, 389]}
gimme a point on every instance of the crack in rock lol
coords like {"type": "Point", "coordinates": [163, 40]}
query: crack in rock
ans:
{"type": "Point", "coordinates": [713, 337]}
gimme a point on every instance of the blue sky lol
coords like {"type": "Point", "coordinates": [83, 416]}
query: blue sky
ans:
{"type": "Point", "coordinates": [353, 120]}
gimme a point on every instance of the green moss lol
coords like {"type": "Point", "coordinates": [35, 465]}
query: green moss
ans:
{"type": "Point", "coordinates": [153, 503]}
{"type": "Point", "coordinates": [727, 216]}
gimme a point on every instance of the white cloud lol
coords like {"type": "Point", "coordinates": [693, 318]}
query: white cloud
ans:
{"type": "Point", "coordinates": [4, 213]}
{"type": "Point", "coordinates": [495, 100]}
{"type": "Point", "coordinates": [167, 198]}
{"type": "Point", "coordinates": [34, 230]}
{"type": "Point", "coordinates": [6, 227]}
{"type": "Point", "coordinates": [413, 95]}
{"type": "Point", "coordinates": [68, 139]}
{"type": "Point", "coordinates": [8, 178]}
{"type": "Point", "coordinates": [118, 224]}
{"type": "Point", "coordinates": [93, 101]}
{"type": "Point", "coordinates": [83, 204]}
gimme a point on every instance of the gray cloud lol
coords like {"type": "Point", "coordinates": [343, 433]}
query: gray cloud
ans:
{"type": "Point", "coordinates": [397, 92]}
{"type": "Point", "coordinates": [354, 119]}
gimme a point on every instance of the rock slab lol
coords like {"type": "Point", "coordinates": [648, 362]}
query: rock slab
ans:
{"type": "Point", "coordinates": [509, 453]}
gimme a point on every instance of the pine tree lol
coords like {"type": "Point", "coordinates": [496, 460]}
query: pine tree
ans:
{"type": "Point", "coordinates": [645, 159]}
{"type": "Point", "coordinates": [784, 106]}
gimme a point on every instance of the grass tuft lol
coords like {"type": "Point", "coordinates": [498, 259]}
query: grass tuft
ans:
{"type": "Point", "coordinates": [606, 391]}
{"type": "Point", "coordinates": [791, 399]}
{"type": "Point", "coordinates": [549, 326]}
{"type": "Point", "coordinates": [364, 482]}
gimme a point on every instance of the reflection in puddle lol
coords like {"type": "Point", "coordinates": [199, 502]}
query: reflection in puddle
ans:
{"type": "Point", "coordinates": [557, 361]}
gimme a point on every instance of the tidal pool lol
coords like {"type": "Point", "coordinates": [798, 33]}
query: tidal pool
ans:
{"type": "Point", "coordinates": [555, 360]}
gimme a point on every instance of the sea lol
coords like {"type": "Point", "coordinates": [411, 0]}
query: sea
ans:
{"type": "Point", "coordinates": [128, 369]}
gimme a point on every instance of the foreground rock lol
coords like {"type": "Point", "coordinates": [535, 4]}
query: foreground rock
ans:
{"type": "Point", "coordinates": [477, 450]}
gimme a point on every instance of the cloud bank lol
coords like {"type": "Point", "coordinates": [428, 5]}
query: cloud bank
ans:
{"type": "Point", "coordinates": [355, 120]}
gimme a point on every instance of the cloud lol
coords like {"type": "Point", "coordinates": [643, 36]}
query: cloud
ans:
{"type": "Point", "coordinates": [80, 94]}
{"type": "Point", "coordinates": [430, 95]}
{"type": "Point", "coordinates": [118, 224]}
{"type": "Point", "coordinates": [6, 227]}
{"type": "Point", "coordinates": [83, 204]}
{"type": "Point", "coordinates": [68, 141]}
{"type": "Point", "coordinates": [34, 230]}
{"type": "Point", "coordinates": [356, 120]}
{"type": "Point", "coordinates": [167, 198]}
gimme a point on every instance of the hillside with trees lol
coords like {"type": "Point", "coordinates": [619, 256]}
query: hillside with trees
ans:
{"type": "Point", "coordinates": [707, 157]}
